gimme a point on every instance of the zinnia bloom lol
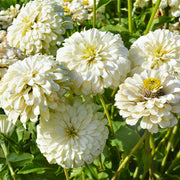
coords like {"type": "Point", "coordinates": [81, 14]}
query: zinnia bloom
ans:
{"type": "Point", "coordinates": [74, 9]}
{"type": "Point", "coordinates": [7, 16]}
{"type": "Point", "coordinates": [32, 86]}
{"type": "Point", "coordinates": [156, 50]}
{"type": "Point", "coordinates": [96, 59]}
{"type": "Point", "coordinates": [75, 134]}
{"type": "Point", "coordinates": [140, 3]}
{"type": "Point", "coordinates": [6, 126]}
{"type": "Point", "coordinates": [153, 96]}
{"type": "Point", "coordinates": [39, 26]}
{"type": "Point", "coordinates": [163, 4]}
{"type": "Point", "coordinates": [8, 55]}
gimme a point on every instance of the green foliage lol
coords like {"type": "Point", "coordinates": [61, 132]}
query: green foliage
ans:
{"type": "Point", "coordinates": [125, 138]}
{"type": "Point", "coordinates": [103, 3]}
{"type": "Point", "coordinates": [26, 159]}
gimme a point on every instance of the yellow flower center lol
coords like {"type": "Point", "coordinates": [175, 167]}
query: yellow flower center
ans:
{"type": "Point", "coordinates": [14, 9]}
{"type": "Point", "coordinates": [90, 54]}
{"type": "Point", "coordinates": [160, 52]}
{"type": "Point", "coordinates": [66, 9]}
{"type": "Point", "coordinates": [152, 84]}
{"type": "Point", "coordinates": [85, 2]}
{"type": "Point", "coordinates": [26, 19]}
{"type": "Point", "coordinates": [71, 131]}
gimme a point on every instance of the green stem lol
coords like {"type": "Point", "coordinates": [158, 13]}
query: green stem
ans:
{"type": "Point", "coordinates": [148, 154]}
{"type": "Point", "coordinates": [152, 144]}
{"type": "Point", "coordinates": [135, 175]}
{"type": "Point", "coordinates": [94, 13]}
{"type": "Point", "coordinates": [144, 175]}
{"type": "Point", "coordinates": [5, 150]}
{"type": "Point", "coordinates": [128, 156]}
{"type": "Point", "coordinates": [100, 163]}
{"type": "Point", "coordinates": [107, 114]}
{"type": "Point", "coordinates": [152, 16]}
{"type": "Point", "coordinates": [119, 10]}
{"type": "Point", "coordinates": [130, 15]}
{"type": "Point", "coordinates": [83, 175]}
{"type": "Point", "coordinates": [169, 146]}
{"type": "Point", "coordinates": [66, 174]}
{"type": "Point", "coordinates": [177, 159]}
{"type": "Point", "coordinates": [162, 141]}
{"type": "Point", "coordinates": [113, 93]}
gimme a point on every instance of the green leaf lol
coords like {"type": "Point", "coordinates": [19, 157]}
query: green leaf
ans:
{"type": "Point", "coordinates": [114, 28]}
{"type": "Point", "coordinates": [102, 175]}
{"type": "Point", "coordinates": [125, 139]}
{"type": "Point", "coordinates": [20, 159]}
{"type": "Point", "coordinates": [76, 172]}
{"type": "Point", "coordinates": [91, 171]}
{"type": "Point", "coordinates": [2, 167]}
{"type": "Point", "coordinates": [29, 169]}
{"type": "Point", "coordinates": [160, 21]}
{"type": "Point", "coordinates": [147, 159]}
{"type": "Point", "coordinates": [20, 133]}
{"type": "Point", "coordinates": [102, 3]}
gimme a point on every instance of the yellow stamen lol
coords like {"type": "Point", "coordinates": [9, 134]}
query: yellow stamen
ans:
{"type": "Point", "coordinates": [66, 9]}
{"type": "Point", "coordinates": [26, 19]}
{"type": "Point", "coordinates": [14, 9]}
{"type": "Point", "coordinates": [152, 84]}
{"type": "Point", "coordinates": [85, 2]}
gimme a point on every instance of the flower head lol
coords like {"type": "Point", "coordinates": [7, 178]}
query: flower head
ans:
{"type": "Point", "coordinates": [32, 86]}
{"type": "Point", "coordinates": [174, 8]}
{"type": "Point", "coordinates": [8, 55]}
{"type": "Point", "coordinates": [75, 134]}
{"type": "Point", "coordinates": [96, 59]}
{"type": "Point", "coordinates": [140, 3]}
{"type": "Point", "coordinates": [7, 16]}
{"type": "Point", "coordinates": [156, 50]}
{"type": "Point", "coordinates": [163, 4]}
{"type": "Point", "coordinates": [39, 26]}
{"type": "Point", "coordinates": [6, 126]}
{"type": "Point", "coordinates": [153, 96]}
{"type": "Point", "coordinates": [76, 10]}
{"type": "Point", "coordinates": [81, 10]}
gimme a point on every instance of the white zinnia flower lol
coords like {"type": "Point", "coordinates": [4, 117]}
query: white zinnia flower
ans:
{"type": "Point", "coordinates": [96, 59]}
{"type": "Point", "coordinates": [175, 28]}
{"type": "Point", "coordinates": [153, 96]}
{"type": "Point", "coordinates": [140, 3]}
{"type": "Point", "coordinates": [174, 8]}
{"type": "Point", "coordinates": [8, 55]}
{"type": "Point", "coordinates": [39, 26]}
{"type": "Point", "coordinates": [163, 4]}
{"type": "Point", "coordinates": [88, 5]}
{"type": "Point", "coordinates": [74, 135]}
{"type": "Point", "coordinates": [7, 16]}
{"type": "Point", "coordinates": [156, 50]}
{"type": "Point", "coordinates": [76, 10]}
{"type": "Point", "coordinates": [32, 86]}
{"type": "Point", "coordinates": [6, 126]}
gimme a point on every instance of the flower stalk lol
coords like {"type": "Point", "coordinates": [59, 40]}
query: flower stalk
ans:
{"type": "Point", "coordinates": [66, 174]}
{"type": "Point", "coordinates": [177, 159]}
{"type": "Point", "coordinates": [119, 10]}
{"type": "Point", "coordinates": [152, 16]}
{"type": "Point", "coordinates": [169, 146]}
{"type": "Point", "coordinates": [161, 142]}
{"type": "Point", "coordinates": [107, 114]}
{"type": "Point", "coordinates": [94, 13]}
{"type": "Point", "coordinates": [129, 156]}
{"type": "Point", "coordinates": [5, 150]}
{"type": "Point", "coordinates": [130, 15]}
